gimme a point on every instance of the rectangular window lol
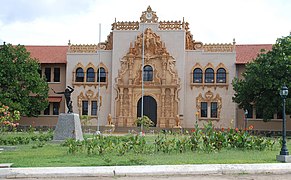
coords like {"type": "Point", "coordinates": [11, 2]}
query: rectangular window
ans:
{"type": "Point", "coordinates": [94, 108]}
{"type": "Point", "coordinates": [47, 73]}
{"type": "Point", "coordinates": [56, 107]}
{"type": "Point", "coordinates": [259, 114]}
{"type": "Point", "coordinates": [250, 112]}
{"type": "Point", "coordinates": [279, 115]}
{"type": "Point", "coordinates": [84, 107]}
{"type": "Point", "coordinates": [214, 109]}
{"type": "Point", "coordinates": [47, 110]}
{"type": "Point", "coordinates": [203, 109]}
{"type": "Point", "coordinates": [56, 74]}
{"type": "Point", "coordinates": [40, 72]}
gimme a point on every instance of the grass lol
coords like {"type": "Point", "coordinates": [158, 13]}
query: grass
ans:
{"type": "Point", "coordinates": [56, 155]}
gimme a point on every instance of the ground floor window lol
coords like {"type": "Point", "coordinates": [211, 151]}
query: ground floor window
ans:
{"type": "Point", "coordinates": [208, 110]}
{"type": "Point", "coordinates": [89, 108]}
{"type": "Point", "coordinates": [214, 109]}
{"type": "Point", "coordinates": [94, 108]}
{"type": "Point", "coordinates": [204, 109]}
{"type": "Point", "coordinates": [209, 105]}
{"type": "Point", "coordinates": [84, 107]}
{"type": "Point", "coordinates": [53, 108]}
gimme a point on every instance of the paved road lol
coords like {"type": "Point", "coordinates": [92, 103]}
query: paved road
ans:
{"type": "Point", "coordinates": [192, 177]}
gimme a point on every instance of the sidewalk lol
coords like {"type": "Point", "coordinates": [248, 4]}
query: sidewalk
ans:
{"type": "Point", "coordinates": [160, 170]}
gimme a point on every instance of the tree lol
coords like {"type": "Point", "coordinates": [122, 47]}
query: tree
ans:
{"type": "Point", "coordinates": [263, 80]}
{"type": "Point", "coordinates": [21, 86]}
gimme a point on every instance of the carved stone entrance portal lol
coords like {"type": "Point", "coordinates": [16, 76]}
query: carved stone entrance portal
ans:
{"type": "Point", "coordinates": [163, 87]}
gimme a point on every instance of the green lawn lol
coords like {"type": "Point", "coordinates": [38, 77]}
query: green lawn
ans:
{"type": "Point", "coordinates": [56, 155]}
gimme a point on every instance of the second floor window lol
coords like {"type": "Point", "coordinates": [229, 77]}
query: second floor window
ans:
{"type": "Point", "coordinates": [90, 75]}
{"type": "Point", "coordinates": [56, 74]}
{"type": "Point", "coordinates": [79, 75]}
{"type": "Point", "coordinates": [147, 73]}
{"type": "Point", "coordinates": [209, 75]}
{"type": "Point", "coordinates": [47, 73]}
{"type": "Point", "coordinates": [221, 76]}
{"type": "Point", "coordinates": [101, 75]}
{"type": "Point", "coordinates": [197, 75]}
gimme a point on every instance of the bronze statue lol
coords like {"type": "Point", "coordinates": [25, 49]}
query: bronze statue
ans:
{"type": "Point", "coordinates": [68, 91]}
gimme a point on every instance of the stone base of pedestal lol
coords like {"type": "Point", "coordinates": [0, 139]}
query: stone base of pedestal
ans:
{"type": "Point", "coordinates": [177, 129]}
{"type": "Point", "coordinates": [284, 158]}
{"type": "Point", "coordinates": [109, 128]}
{"type": "Point", "coordinates": [68, 126]}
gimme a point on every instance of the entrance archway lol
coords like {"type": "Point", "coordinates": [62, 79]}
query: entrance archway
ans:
{"type": "Point", "coordinates": [149, 108]}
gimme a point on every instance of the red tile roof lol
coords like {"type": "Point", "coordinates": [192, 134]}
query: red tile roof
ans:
{"type": "Point", "coordinates": [49, 54]}
{"type": "Point", "coordinates": [58, 54]}
{"type": "Point", "coordinates": [247, 52]}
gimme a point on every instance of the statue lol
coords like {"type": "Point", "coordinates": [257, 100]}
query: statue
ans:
{"type": "Point", "coordinates": [68, 91]}
{"type": "Point", "coordinates": [109, 119]}
{"type": "Point", "coordinates": [177, 119]}
{"type": "Point", "coordinates": [110, 127]}
{"type": "Point", "coordinates": [178, 122]}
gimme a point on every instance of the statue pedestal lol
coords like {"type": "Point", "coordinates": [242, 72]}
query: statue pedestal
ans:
{"type": "Point", "coordinates": [177, 129]}
{"type": "Point", "coordinates": [68, 126]}
{"type": "Point", "coordinates": [109, 128]}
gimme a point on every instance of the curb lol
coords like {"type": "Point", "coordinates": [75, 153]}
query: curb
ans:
{"type": "Point", "coordinates": [153, 170]}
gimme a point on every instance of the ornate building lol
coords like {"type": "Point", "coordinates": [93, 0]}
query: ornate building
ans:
{"type": "Point", "coordinates": [182, 77]}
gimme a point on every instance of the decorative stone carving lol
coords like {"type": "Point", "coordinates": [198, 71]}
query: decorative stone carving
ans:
{"type": "Point", "coordinates": [218, 47]}
{"type": "Point", "coordinates": [128, 81]}
{"type": "Point", "coordinates": [92, 48]}
{"type": "Point", "coordinates": [149, 16]}
{"type": "Point", "coordinates": [170, 25]}
{"type": "Point", "coordinates": [89, 96]}
{"type": "Point", "coordinates": [191, 44]}
{"type": "Point", "coordinates": [209, 97]}
{"type": "Point", "coordinates": [125, 25]}
{"type": "Point", "coordinates": [152, 45]}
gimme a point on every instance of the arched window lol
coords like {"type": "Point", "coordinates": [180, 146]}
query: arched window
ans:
{"type": "Point", "coordinates": [197, 75]}
{"type": "Point", "coordinates": [209, 75]}
{"type": "Point", "coordinates": [90, 75]}
{"type": "Point", "coordinates": [147, 73]}
{"type": "Point", "coordinates": [102, 75]}
{"type": "Point", "coordinates": [79, 75]}
{"type": "Point", "coordinates": [221, 75]}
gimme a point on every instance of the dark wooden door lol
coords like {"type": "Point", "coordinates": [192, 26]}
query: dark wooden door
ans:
{"type": "Point", "coordinates": [149, 108]}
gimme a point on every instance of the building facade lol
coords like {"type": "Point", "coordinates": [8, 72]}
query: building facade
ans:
{"type": "Point", "coordinates": [182, 78]}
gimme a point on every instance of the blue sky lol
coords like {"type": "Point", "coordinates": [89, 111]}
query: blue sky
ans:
{"type": "Point", "coordinates": [54, 22]}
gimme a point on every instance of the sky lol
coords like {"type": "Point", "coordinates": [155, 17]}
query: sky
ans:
{"type": "Point", "coordinates": [54, 22]}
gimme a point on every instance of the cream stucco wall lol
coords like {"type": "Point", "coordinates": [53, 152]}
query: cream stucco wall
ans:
{"type": "Point", "coordinates": [85, 59]}
{"type": "Point", "coordinates": [226, 93]}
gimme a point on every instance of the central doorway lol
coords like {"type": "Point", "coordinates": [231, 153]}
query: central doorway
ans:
{"type": "Point", "coordinates": [149, 108]}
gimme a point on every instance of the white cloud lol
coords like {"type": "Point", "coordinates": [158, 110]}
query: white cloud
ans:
{"type": "Point", "coordinates": [54, 22]}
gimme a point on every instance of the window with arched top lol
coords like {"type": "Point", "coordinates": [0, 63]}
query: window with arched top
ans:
{"type": "Point", "coordinates": [147, 73]}
{"type": "Point", "coordinates": [79, 75]}
{"type": "Point", "coordinates": [221, 75]}
{"type": "Point", "coordinates": [197, 75]}
{"type": "Point", "coordinates": [209, 75]}
{"type": "Point", "coordinates": [101, 75]}
{"type": "Point", "coordinates": [90, 75]}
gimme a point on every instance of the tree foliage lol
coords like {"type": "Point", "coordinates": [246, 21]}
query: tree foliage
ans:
{"type": "Point", "coordinates": [263, 80]}
{"type": "Point", "coordinates": [21, 86]}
